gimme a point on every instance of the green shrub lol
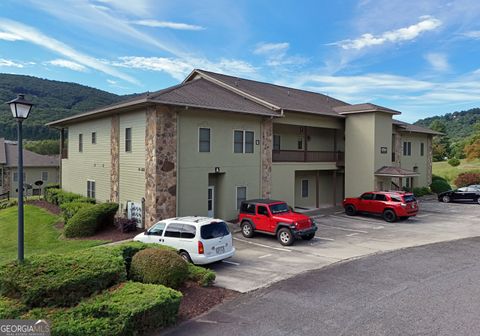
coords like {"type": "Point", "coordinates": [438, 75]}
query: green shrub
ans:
{"type": "Point", "coordinates": [202, 276]}
{"type": "Point", "coordinates": [440, 185]}
{"type": "Point", "coordinates": [7, 203]}
{"type": "Point", "coordinates": [454, 162]}
{"type": "Point", "coordinates": [131, 309]}
{"type": "Point", "coordinates": [61, 279]}
{"type": "Point", "coordinates": [158, 266]}
{"type": "Point", "coordinates": [58, 197]}
{"type": "Point", "coordinates": [70, 209]}
{"type": "Point", "coordinates": [88, 220]}
{"type": "Point", "coordinates": [422, 191]}
{"type": "Point", "coordinates": [436, 177]}
{"type": "Point", "coordinates": [467, 178]}
{"type": "Point", "coordinates": [10, 308]}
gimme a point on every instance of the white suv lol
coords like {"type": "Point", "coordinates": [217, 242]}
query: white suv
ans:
{"type": "Point", "coordinates": [201, 240]}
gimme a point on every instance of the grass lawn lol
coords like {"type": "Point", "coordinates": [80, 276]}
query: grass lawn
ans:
{"type": "Point", "coordinates": [443, 169]}
{"type": "Point", "coordinates": [41, 235]}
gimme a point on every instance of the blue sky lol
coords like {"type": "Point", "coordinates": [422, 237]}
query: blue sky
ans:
{"type": "Point", "coordinates": [420, 57]}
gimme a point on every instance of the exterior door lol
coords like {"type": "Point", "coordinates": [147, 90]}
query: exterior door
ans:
{"type": "Point", "coordinates": [262, 218]}
{"type": "Point", "coordinates": [211, 201]}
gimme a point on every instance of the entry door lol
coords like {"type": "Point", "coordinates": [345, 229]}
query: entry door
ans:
{"type": "Point", "coordinates": [211, 201]}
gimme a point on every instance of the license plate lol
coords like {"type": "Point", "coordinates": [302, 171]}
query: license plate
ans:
{"type": "Point", "coordinates": [220, 249]}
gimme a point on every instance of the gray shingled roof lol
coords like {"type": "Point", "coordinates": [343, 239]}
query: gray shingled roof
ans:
{"type": "Point", "coordinates": [9, 156]}
{"type": "Point", "coordinates": [286, 98]}
{"type": "Point", "coordinates": [406, 127]}
{"type": "Point", "coordinates": [362, 108]}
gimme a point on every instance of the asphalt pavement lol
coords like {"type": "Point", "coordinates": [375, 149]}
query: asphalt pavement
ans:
{"type": "Point", "coordinates": [425, 290]}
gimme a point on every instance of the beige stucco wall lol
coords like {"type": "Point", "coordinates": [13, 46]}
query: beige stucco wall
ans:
{"type": "Point", "coordinates": [416, 160]}
{"type": "Point", "coordinates": [33, 174]}
{"type": "Point", "coordinates": [132, 164]}
{"type": "Point", "coordinates": [91, 164]}
{"type": "Point", "coordinates": [194, 167]}
{"type": "Point", "coordinates": [318, 139]}
{"type": "Point", "coordinates": [325, 188]}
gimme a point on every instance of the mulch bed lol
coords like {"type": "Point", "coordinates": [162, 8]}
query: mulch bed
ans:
{"type": "Point", "coordinates": [45, 205]}
{"type": "Point", "coordinates": [198, 300]}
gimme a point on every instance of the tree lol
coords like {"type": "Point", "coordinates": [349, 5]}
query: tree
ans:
{"type": "Point", "coordinates": [439, 151]}
{"type": "Point", "coordinates": [472, 148]}
{"type": "Point", "coordinates": [441, 143]}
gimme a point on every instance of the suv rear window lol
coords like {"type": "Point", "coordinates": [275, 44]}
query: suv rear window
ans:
{"type": "Point", "coordinates": [247, 208]}
{"type": "Point", "coordinates": [409, 198]}
{"type": "Point", "coordinates": [214, 230]}
{"type": "Point", "coordinates": [279, 208]}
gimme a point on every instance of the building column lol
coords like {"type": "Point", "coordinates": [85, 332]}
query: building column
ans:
{"type": "Point", "coordinates": [7, 178]}
{"type": "Point", "coordinates": [266, 153]}
{"type": "Point", "coordinates": [160, 164]}
{"type": "Point", "coordinates": [398, 149]}
{"type": "Point", "coordinates": [334, 188]}
{"type": "Point", "coordinates": [115, 159]}
{"type": "Point", "coordinates": [429, 153]}
{"type": "Point", "coordinates": [317, 189]}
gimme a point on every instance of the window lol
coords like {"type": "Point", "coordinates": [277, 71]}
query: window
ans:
{"type": "Point", "coordinates": [173, 230]}
{"type": "Point", "coordinates": [157, 229]}
{"type": "Point", "coordinates": [80, 143]}
{"type": "Point", "coordinates": [304, 188]}
{"type": "Point", "coordinates": [407, 148]}
{"type": "Point", "coordinates": [15, 177]}
{"type": "Point", "coordinates": [276, 142]}
{"type": "Point", "coordinates": [380, 197]}
{"type": "Point", "coordinates": [94, 138]}
{"type": "Point", "coordinates": [422, 149]}
{"type": "Point", "coordinates": [367, 197]}
{"type": "Point", "coordinates": [261, 210]}
{"type": "Point", "coordinates": [44, 176]}
{"type": "Point", "coordinates": [248, 208]}
{"type": "Point", "coordinates": [396, 198]}
{"type": "Point", "coordinates": [243, 141]}
{"type": "Point", "coordinates": [279, 208]}
{"type": "Point", "coordinates": [204, 140]}
{"type": "Point", "coordinates": [300, 144]}
{"type": "Point", "coordinates": [188, 231]}
{"type": "Point", "coordinates": [91, 189]}
{"type": "Point", "coordinates": [214, 230]}
{"type": "Point", "coordinates": [128, 139]}
{"type": "Point", "coordinates": [241, 196]}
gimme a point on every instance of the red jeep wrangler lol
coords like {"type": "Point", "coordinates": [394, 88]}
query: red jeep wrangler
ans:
{"type": "Point", "coordinates": [392, 205]}
{"type": "Point", "coordinates": [274, 218]}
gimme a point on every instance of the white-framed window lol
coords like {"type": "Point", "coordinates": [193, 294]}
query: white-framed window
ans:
{"type": "Point", "coordinates": [80, 142]}
{"type": "Point", "coordinates": [276, 142]}
{"type": "Point", "coordinates": [407, 148]}
{"type": "Point", "coordinates": [240, 196]}
{"type": "Point", "coordinates": [91, 188]}
{"type": "Point", "coordinates": [243, 141]}
{"type": "Point", "coordinates": [422, 149]}
{"type": "Point", "coordinates": [45, 176]}
{"type": "Point", "coordinates": [128, 139]}
{"type": "Point", "coordinates": [94, 138]}
{"type": "Point", "coordinates": [15, 176]}
{"type": "Point", "coordinates": [304, 188]}
{"type": "Point", "coordinates": [204, 140]}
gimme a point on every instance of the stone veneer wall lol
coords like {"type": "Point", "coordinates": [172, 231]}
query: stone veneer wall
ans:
{"type": "Point", "coordinates": [429, 160]}
{"type": "Point", "coordinates": [6, 180]}
{"type": "Point", "coordinates": [160, 164]}
{"type": "Point", "coordinates": [398, 148]}
{"type": "Point", "coordinates": [115, 159]}
{"type": "Point", "coordinates": [267, 146]}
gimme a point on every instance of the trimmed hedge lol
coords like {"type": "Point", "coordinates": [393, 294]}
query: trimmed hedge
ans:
{"type": "Point", "coordinates": [10, 308]}
{"type": "Point", "coordinates": [467, 178]}
{"type": "Point", "coordinates": [130, 309]}
{"type": "Point", "coordinates": [439, 184]}
{"type": "Point", "coordinates": [58, 197]}
{"type": "Point", "coordinates": [202, 276]}
{"type": "Point", "coordinates": [157, 266]}
{"type": "Point", "coordinates": [61, 279]}
{"type": "Point", "coordinates": [422, 191]}
{"type": "Point", "coordinates": [88, 220]}
{"type": "Point", "coordinates": [70, 209]}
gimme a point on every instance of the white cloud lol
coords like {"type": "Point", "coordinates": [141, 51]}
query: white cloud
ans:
{"type": "Point", "coordinates": [10, 63]}
{"type": "Point", "coordinates": [137, 7]}
{"type": "Point", "coordinates": [474, 34]}
{"type": "Point", "coordinates": [403, 34]}
{"type": "Point", "coordinates": [112, 82]}
{"type": "Point", "coordinates": [438, 61]}
{"type": "Point", "coordinates": [32, 35]}
{"type": "Point", "coordinates": [276, 54]}
{"type": "Point", "coordinates": [9, 36]}
{"type": "Point", "coordinates": [67, 64]}
{"type": "Point", "coordinates": [268, 48]}
{"type": "Point", "coordinates": [168, 24]}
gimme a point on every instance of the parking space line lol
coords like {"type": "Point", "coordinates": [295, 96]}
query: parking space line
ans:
{"type": "Point", "coordinates": [264, 256]}
{"type": "Point", "coordinates": [342, 228]}
{"type": "Point", "coordinates": [231, 262]}
{"type": "Point", "coordinates": [352, 234]}
{"type": "Point", "coordinates": [321, 238]}
{"type": "Point", "coordinates": [262, 245]}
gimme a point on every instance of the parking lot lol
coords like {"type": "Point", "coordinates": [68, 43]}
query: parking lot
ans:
{"type": "Point", "coordinates": [261, 260]}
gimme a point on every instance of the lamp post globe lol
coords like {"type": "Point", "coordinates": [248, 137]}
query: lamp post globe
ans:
{"type": "Point", "coordinates": [20, 108]}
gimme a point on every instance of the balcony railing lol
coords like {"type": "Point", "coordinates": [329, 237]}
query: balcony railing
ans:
{"type": "Point", "coordinates": [307, 156]}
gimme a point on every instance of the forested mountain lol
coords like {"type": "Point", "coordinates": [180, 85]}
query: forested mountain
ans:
{"type": "Point", "coordinates": [458, 125]}
{"type": "Point", "coordinates": [53, 100]}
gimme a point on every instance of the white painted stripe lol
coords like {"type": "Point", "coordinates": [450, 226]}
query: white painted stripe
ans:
{"type": "Point", "coordinates": [378, 227]}
{"type": "Point", "coordinates": [321, 238]}
{"type": "Point", "coordinates": [352, 234]}
{"type": "Point", "coordinates": [231, 262]}
{"type": "Point", "coordinates": [207, 321]}
{"type": "Point", "coordinates": [342, 228]}
{"type": "Point", "coordinates": [262, 245]}
{"type": "Point", "coordinates": [264, 256]}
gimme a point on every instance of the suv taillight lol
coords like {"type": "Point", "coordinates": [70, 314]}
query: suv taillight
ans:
{"type": "Point", "coordinates": [200, 248]}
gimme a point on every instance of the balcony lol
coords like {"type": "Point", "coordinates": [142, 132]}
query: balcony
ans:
{"type": "Point", "coordinates": [308, 156]}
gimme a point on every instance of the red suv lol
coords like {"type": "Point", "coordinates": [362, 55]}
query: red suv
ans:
{"type": "Point", "coordinates": [392, 205]}
{"type": "Point", "coordinates": [275, 218]}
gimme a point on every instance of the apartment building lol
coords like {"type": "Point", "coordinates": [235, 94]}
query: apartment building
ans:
{"type": "Point", "coordinates": [205, 145]}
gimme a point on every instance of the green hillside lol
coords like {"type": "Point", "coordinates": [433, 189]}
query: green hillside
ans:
{"type": "Point", "coordinates": [458, 125]}
{"type": "Point", "coordinates": [53, 100]}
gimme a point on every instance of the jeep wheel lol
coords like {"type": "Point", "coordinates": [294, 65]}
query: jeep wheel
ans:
{"type": "Point", "coordinates": [350, 210]}
{"type": "Point", "coordinates": [446, 199]}
{"type": "Point", "coordinates": [389, 215]}
{"type": "Point", "coordinates": [247, 229]}
{"type": "Point", "coordinates": [285, 237]}
{"type": "Point", "coordinates": [309, 236]}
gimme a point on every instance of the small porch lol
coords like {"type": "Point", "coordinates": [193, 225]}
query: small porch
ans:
{"type": "Point", "coordinates": [393, 178]}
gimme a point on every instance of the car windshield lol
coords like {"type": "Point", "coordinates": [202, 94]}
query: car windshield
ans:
{"type": "Point", "coordinates": [214, 230]}
{"type": "Point", "coordinates": [409, 198]}
{"type": "Point", "coordinates": [279, 208]}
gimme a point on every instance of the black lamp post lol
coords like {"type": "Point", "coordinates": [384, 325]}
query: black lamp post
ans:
{"type": "Point", "coordinates": [20, 110]}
